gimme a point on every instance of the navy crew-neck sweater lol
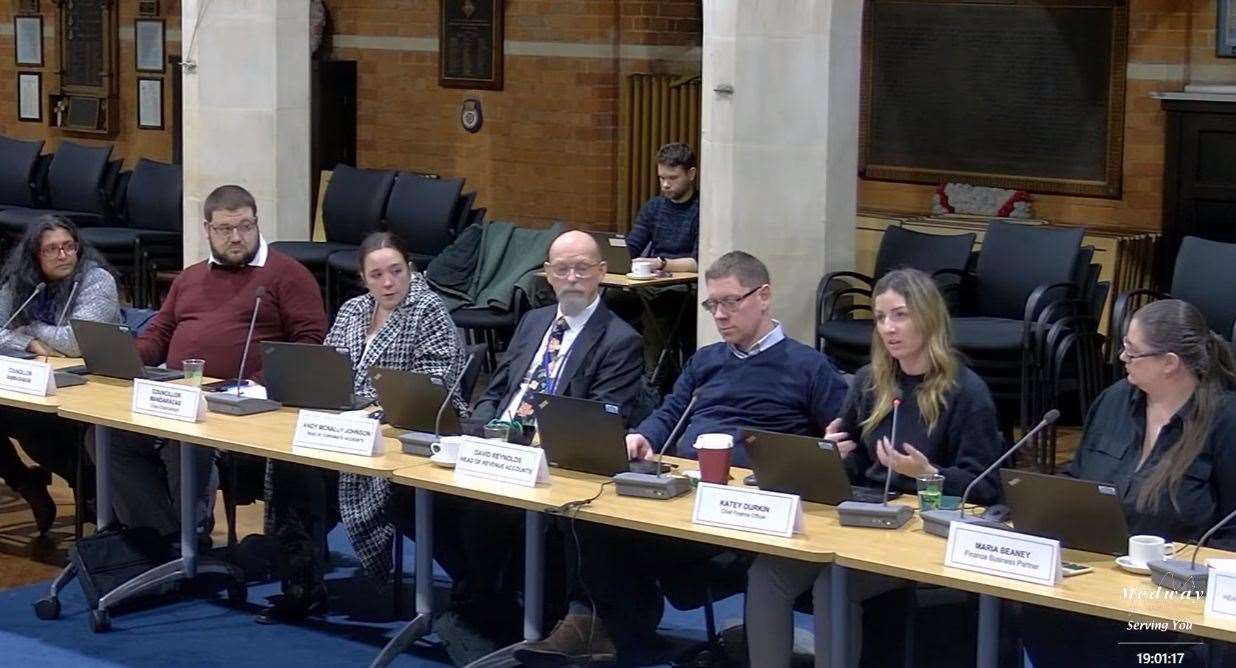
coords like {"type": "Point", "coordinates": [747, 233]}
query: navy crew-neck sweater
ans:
{"type": "Point", "coordinates": [789, 388]}
{"type": "Point", "coordinates": [965, 440]}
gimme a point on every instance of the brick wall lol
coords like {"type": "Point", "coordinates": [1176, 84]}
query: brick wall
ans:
{"type": "Point", "coordinates": [130, 143]}
{"type": "Point", "coordinates": [549, 148]}
{"type": "Point", "coordinates": [1171, 42]}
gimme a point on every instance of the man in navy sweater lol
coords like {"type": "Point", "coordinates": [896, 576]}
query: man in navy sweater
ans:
{"type": "Point", "coordinates": [756, 377]}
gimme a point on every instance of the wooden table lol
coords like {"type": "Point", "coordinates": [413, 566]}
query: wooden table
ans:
{"type": "Point", "coordinates": [625, 282]}
{"type": "Point", "coordinates": [38, 404]}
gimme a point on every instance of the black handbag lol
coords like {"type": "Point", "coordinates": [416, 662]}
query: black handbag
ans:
{"type": "Point", "coordinates": [112, 557]}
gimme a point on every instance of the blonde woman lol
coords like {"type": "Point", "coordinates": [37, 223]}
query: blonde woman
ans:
{"type": "Point", "coordinates": [946, 424]}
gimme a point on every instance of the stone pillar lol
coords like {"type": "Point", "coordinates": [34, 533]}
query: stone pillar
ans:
{"type": "Point", "coordinates": [779, 154]}
{"type": "Point", "coordinates": [246, 112]}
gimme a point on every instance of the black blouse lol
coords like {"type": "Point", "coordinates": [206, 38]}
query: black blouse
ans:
{"type": "Point", "coordinates": [966, 438]}
{"type": "Point", "coordinates": [1112, 445]}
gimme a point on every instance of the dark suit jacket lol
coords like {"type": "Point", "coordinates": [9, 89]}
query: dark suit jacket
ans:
{"type": "Point", "coordinates": [605, 362]}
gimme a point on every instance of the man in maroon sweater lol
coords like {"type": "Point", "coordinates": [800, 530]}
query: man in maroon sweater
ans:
{"type": "Point", "coordinates": [206, 316]}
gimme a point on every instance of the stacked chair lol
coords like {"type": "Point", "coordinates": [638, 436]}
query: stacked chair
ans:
{"type": "Point", "coordinates": [78, 186]}
{"type": "Point", "coordinates": [22, 170]}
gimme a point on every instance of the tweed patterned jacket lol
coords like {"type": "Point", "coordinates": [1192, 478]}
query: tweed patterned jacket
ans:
{"type": "Point", "coordinates": [419, 337]}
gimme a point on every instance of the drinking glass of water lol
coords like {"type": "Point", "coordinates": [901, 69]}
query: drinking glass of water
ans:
{"type": "Point", "coordinates": [930, 487]}
{"type": "Point", "coordinates": [193, 370]}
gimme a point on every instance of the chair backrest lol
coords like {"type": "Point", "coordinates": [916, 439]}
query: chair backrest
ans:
{"type": "Point", "coordinates": [76, 178]}
{"type": "Point", "coordinates": [421, 212]}
{"type": "Point", "coordinates": [473, 372]}
{"type": "Point", "coordinates": [901, 248]}
{"type": "Point", "coordinates": [136, 319]}
{"type": "Point", "coordinates": [475, 217]}
{"type": "Point", "coordinates": [355, 202]}
{"type": "Point", "coordinates": [153, 198]}
{"type": "Point", "coordinates": [18, 161]}
{"type": "Point", "coordinates": [1205, 276]}
{"type": "Point", "coordinates": [1016, 259]}
{"type": "Point", "coordinates": [459, 217]}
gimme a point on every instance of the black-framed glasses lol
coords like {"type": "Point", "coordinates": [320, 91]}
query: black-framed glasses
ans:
{"type": "Point", "coordinates": [245, 227]}
{"type": "Point", "coordinates": [727, 304]}
{"type": "Point", "coordinates": [1130, 355]}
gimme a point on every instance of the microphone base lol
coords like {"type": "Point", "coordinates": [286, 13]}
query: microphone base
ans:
{"type": "Point", "coordinates": [1179, 575]}
{"type": "Point", "coordinates": [68, 379]}
{"type": "Point", "coordinates": [873, 515]}
{"type": "Point", "coordinates": [231, 404]}
{"type": "Point", "coordinates": [417, 443]}
{"type": "Point", "coordinates": [936, 522]}
{"type": "Point", "coordinates": [650, 486]}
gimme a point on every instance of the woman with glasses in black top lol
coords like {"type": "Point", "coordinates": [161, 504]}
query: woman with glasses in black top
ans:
{"type": "Point", "coordinates": [1165, 436]}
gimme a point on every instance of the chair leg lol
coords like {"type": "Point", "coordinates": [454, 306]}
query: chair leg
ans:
{"type": "Point", "coordinates": [79, 501]}
{"type": "Point", "coordinates": [229, 502]}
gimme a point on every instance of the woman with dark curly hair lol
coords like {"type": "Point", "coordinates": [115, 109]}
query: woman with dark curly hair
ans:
{"type": "Point", "coordinates": [77, 284]}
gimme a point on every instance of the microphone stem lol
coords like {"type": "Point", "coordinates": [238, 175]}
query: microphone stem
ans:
{"type": "Point", "coordinates": [244, 355]}
{"type": "Point", "coordinates": [892, 441]}
{"type": "Point", "coordinates": [1206, 536]}
{"type": "Point", "coordinates": [961, 508]}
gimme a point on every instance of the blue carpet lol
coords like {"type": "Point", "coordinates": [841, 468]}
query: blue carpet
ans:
{"type": "Point", "coordinates": [200, 632]}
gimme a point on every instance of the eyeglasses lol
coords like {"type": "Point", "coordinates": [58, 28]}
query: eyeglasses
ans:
{"type": "Point", "coordinates": [564, 270]}
{"type": "Point", "coordinates": [1131, 355]}
{"type": "Point", "coordinates": [66, 248]}
{"type": "Point", "coordinates": [245, 227]}
{"type": "Point", "coordinates": [727, 304]}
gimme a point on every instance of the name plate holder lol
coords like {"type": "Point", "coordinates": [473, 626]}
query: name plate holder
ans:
{"type": "Point", "coordinates": [1005, 554]}
{"type": "Point", "coordinates": [747, 509]}
{"type": "Point", "coordinates": [501, 462]}
{"type": "Point", "coordinates": [317, 430]}
{"type": "Point", "coordinates": [1221, 588]}
{"type": "Point", "coordinates": [168, 400]}
{"type": "Point", "coordinates": [27, 377]}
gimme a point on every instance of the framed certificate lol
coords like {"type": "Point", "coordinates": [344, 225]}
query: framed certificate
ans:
{"type": "Point", "coordinates": [30, 97]}
{"type": "Point", "coordinates": [28, 40]}
{"type": "Point", "coordinates": [148, 45]}
{"type": "Point", "coordinates": [150, 103]}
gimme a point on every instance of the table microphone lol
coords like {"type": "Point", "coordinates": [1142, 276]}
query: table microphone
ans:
{"type": "Point", "coordinates": [236, 404]}
{"type": "Point", "coordinates": [878, 515]}
{"type": "Point", "coordinates": [1185, 576]}
{"type": "Point", "coordinates": [33, 293]}
{"type": "Point", "coordinates": [419, 442]}
{"type": "Point", "coordinates": [656, 485]}
{"type": "Point", "coordinates": [936, 522]}
{"type": "Point", "coordinates": [64, 378]}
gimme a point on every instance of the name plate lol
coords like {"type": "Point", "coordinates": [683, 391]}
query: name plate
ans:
{"type": "Point", "coordinates": [27, 376]}
{"type": "Point", "coordinates": [169, 400]}
{"type": "Point", "coordinates": [748, 509]}
{"type": "Point", "coordinates": [503, 462]}
{"type": "Point", "coordinates": [1004, 553]}
{"type": "Point", "coordinates": [348, 434]}
{"type": "Point", "coordinates": [1221, 588]}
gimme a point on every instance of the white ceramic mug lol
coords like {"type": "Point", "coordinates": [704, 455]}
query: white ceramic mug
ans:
{"type": "Point", "coordinates": [446, 448]}
{"type": "Point", "coordinates": [1144, 549]}
{"type": "Point", "coordinates": [641, 267]}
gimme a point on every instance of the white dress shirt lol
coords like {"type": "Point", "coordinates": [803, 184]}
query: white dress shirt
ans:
{"type": "Point", "coordinates": [575, 325]}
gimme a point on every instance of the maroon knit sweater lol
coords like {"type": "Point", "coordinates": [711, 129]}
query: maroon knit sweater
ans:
{"type": "Point", "coordinates": [206, 315]}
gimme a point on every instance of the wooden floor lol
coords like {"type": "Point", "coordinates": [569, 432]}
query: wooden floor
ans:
{"type": "Point", "coordinates": [27, 558]}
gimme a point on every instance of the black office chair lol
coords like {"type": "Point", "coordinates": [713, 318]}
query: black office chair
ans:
{"type": "Point", "coordinates": [22, 167]}
{"type": "Point", "coordinates": [713, 579]}
{"type": "Point", "coordinates": [1204, 276]}
{"type": "Point", "coordinates": [1021, 270]}
{"type": "Point", "coordinates": [151, 222]}
{"type": "Point", "coordinates": [79, 182]}
{"type": "Point", "coordinates": [353, 206]}
{"type": "Point", "coordinates": [841, 294]}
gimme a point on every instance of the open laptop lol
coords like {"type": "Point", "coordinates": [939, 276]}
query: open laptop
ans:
{"type": "Point", "coordinates": [1081, 514]}
{"type": "Point", "coordinates": [305, 375]}
{"type": "Point", "coordinates": [614, 251]}
{"type": "Point", "coordinates": [584, 435]}
{"type": "Point", "coordinates": [804, 465]}
{"type": "Point", "coordinates": [411, 401]}
{"type": "Point", "coordinates": [109, 350]}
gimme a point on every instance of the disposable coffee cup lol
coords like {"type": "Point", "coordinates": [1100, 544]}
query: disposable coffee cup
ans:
{"type": "Point", "coordinates": [714, 452]}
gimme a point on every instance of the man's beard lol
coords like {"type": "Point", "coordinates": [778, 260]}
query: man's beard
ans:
{"type": "Point", "coordinates": [573, 303]}
{"type": "Point", "coordinates": [226, 261]}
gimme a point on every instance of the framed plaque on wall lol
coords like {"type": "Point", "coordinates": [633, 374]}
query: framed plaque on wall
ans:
{"type": "Point", "coordinates": [470, 44]}
{"type": "Point", "coordinates": [150, 103]}
{"type": "Point", "coordinates": [28, 40]}
{"type": "Point", "coordinates": [148, 45]}
{"type": "Point", "coordinates": [30, 97]}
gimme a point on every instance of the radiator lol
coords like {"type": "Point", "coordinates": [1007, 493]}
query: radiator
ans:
{"type": "Point", "coordinates": [658, 110]}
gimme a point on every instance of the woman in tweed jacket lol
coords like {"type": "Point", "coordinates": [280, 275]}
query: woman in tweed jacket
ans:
{"type": "Point", "coordinates": [398, 324]}
{"type": "Point", "coordinates": [76, 284]}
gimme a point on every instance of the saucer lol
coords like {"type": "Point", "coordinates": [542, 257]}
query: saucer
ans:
{"type": "Point", "coordinates": [439, 460]}
{"type": "Point", "coordinates": [637, 277]}
{"type": "Point", "coordinates": [1127, 564]}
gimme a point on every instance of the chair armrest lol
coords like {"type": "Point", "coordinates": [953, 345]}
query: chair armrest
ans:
{"type": "Point", "coordinates": [1120, 310]}
{"type": "Point", "coordinates": [824, 295]}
